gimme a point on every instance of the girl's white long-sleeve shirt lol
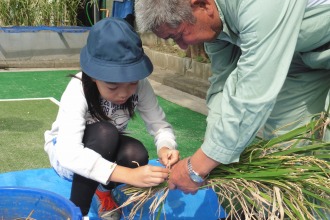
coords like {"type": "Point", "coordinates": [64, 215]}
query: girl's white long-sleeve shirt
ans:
{"type": "Point", "coordinates": [73, 115]}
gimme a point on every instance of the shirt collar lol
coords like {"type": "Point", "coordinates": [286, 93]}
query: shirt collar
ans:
{"type": "Point", "coordinates": [226, 34]}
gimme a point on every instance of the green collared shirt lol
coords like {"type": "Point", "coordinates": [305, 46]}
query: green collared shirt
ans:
{"type": "Point", "coordinates": [250, 62]}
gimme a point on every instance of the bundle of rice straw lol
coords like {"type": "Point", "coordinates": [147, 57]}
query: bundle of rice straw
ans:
{"type": "Point", "coordinates": [287, 177]}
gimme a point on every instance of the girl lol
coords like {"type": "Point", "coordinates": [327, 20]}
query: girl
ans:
{"type": "Point", "coordinates": [86, 143]}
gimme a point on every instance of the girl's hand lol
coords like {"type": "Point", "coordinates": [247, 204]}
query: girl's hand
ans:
{"type": "Point", "coordinates": [147, 176]}
{"type": "Point", "coordinates": [168, 157]}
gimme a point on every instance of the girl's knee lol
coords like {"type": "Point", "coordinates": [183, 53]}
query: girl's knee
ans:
{"type": "Point", "coordinates": [101, 137]}
{"type": "Point", "coordinates": [132, 153]}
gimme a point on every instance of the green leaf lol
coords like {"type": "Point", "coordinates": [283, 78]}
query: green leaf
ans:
{"type": "Point", "coordinates": [300, 150]}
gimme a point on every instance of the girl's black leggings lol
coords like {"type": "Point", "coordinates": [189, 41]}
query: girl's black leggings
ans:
{"type": "Point", "coordinates": [104, 138]}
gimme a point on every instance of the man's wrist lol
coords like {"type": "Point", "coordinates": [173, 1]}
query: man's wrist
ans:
{"type": "Point", "coordinates": [194, 176]}
{"type": "Point", "coordinates": [202, 164]}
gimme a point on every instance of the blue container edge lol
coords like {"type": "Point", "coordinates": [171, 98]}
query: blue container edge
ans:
{"type": "Point", "coordinates": [74, 210]}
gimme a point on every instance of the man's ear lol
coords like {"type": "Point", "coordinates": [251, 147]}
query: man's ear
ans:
{"type": "Point", "coordinates": [206, 5]}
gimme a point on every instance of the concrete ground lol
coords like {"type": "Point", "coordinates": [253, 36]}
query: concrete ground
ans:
{"type": "Point", "coordinates": [180, 98]}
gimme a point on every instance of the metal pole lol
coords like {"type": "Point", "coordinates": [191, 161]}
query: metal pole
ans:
{"type": "Point", "coordinates": [95, 13]}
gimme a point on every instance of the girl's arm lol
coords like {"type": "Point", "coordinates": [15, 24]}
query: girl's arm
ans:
{"type": "Point", "coordinates": [154, 117]}
{"type": "Point", "coordinates": [155, 120]}
{"type": "Point", "coordinates": [144, 176]}
{"type": "Point", "coordinates": [69, 129]}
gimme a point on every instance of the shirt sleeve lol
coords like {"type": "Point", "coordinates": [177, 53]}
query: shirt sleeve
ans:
{"type": "Point", "coordinates": [154, 117]}
{"type": "Point", "coordinates": [71, 124]}
{"type": "Point", "coordinates": [267, 35]}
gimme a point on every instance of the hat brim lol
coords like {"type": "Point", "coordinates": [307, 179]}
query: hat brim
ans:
{"type": "Point", "coordinates": [110, 72]}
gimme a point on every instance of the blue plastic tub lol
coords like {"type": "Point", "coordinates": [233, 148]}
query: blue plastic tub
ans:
{"type": "Point", "coordinates": [19, 202]}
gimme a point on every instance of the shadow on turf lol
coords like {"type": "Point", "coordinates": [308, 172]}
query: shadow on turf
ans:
{"type": "Point", "coordinates": [19, 124]}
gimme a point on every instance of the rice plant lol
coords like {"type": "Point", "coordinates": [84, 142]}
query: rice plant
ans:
{"type": "Point", "coordinates": [287, 177]}
{"type": "Point", "coordinates": [39, 12]}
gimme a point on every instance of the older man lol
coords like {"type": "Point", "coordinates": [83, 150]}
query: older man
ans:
{"type": "Point", "coordinates": [270, 68]}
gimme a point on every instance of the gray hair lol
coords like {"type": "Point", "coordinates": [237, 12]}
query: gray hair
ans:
{"type": "Point", "coordinates": [150, 14]}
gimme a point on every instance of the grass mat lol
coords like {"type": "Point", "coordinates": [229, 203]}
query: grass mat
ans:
{"type": "Point", "coordinates": [23, 123]}
{"type": "Point", "coordinates": [35, 84]}
{"type": "Point", "coordinates": [189, 128]}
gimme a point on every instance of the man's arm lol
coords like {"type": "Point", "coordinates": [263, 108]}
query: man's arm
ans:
{"type": "Point", "coordinates": [267, 39]}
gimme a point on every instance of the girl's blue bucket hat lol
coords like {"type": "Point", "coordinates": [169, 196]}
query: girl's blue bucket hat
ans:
{"type": "Point", "coordinates": [114, 53]}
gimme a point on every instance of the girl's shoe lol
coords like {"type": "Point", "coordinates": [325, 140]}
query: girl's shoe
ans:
{"type": "Point", "coordinates": [106, 206]}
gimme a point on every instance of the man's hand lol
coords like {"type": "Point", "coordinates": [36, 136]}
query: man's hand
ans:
{"type": "Point", "coordinates": [179, 178]}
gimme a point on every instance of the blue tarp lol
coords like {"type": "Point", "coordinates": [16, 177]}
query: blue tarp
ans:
{"type": "Point", "coordinates": [203, 205]}
{"type": "Point", "coordinates": [122, 9]}
{"type": "Point", "coordinates": [58, 29]}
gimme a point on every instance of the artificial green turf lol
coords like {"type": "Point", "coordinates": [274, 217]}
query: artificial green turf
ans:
{"type": "Point", "coordinates": [35, 84]}
{"type": "Point", "coordinates": [189, 128]}
{"type": "Point", "coordinates": [22, 123]}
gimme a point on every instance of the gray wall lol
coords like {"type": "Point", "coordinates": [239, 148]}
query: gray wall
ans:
{"type": "Point", "coordinates": [41, 49]}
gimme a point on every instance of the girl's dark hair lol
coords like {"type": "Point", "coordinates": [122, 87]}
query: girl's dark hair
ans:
{"type": "Point", "coordinates": [93, 97]}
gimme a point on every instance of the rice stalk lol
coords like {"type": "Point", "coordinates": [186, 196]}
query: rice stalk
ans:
{"type": "Point", "coordinates": [39, 12]}
{"type": "Point", "coordinates": [139, 196]}
{"type": "Point", "coordinates": [287, 177]}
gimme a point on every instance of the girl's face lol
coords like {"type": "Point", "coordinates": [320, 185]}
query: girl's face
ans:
{"type": "Point", "coordinates": [117, 93]}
